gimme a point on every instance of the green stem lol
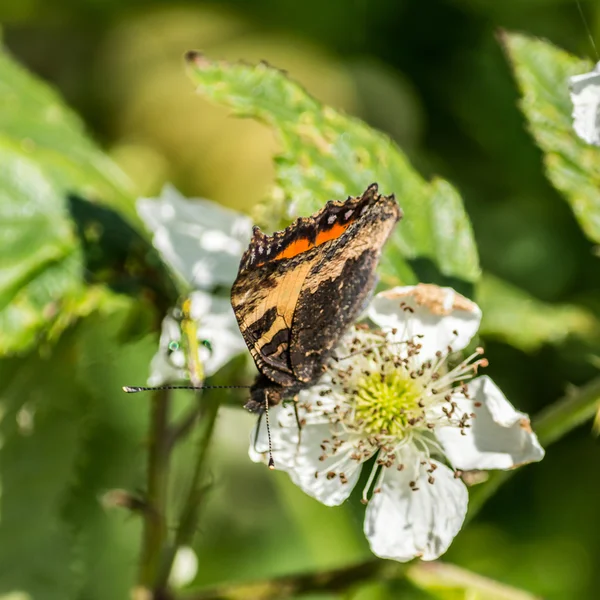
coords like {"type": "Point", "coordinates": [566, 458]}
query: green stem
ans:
{"type": "Point", "coordinates": [155, 526]}
{"type": "Point", "coordinates": [571, 411]}
{"type": "Point", "coordinates": [550, 425]}
{"type": "Point", "coordinates": [190, 513]}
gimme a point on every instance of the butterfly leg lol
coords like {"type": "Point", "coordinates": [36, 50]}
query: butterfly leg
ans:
{"type": "Point", "coordinates": [299, 423]}
{"type": "Point", "coordinates": [258, 424]}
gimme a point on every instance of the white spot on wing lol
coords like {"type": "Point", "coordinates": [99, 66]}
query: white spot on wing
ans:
{"type": "Point", "coordinates": [331, 219]}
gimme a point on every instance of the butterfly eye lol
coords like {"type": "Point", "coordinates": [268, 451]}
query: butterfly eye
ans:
{"type": "Point", "coordinates": [207, 345]}
{"type": "Point", "coordinates": [173, 346]}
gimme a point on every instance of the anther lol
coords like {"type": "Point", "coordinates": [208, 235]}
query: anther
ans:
{"type": "Point", "coordinates": [431, 479]}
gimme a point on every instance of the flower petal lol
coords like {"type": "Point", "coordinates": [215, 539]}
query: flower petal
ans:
{"type": "Point", "coordinates": [442, 316]}
{"type": "Point", "coordinates": [329, 481]}
{"type": "Point", "coordinates": [218, 334]}
{"type": "Point", "coordinates": [499, 436]}
{"type": "Point", "coordinates": [585, 95]}
{"type": "Point", "coordinates": [168, 364]}
{"type": "Point", "coordinates": [201, 240]}
{"type": "Point", "coordinates": [404, 522]}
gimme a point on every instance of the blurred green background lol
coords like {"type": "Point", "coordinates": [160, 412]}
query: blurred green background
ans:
{"type": "Point", "coordinates": [433, 76]}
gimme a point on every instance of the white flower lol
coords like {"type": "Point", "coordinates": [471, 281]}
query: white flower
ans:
{"type": "Point", "coordinates": [199, 239]}
{"type": "Point", "coordinates": [203, 243]}
{"type": "Point", "coordinates": [218, 336]}
{"type": "Point", "coordinates": [396, 396]}
{"type": "Point", "coordinates": [585, 95]}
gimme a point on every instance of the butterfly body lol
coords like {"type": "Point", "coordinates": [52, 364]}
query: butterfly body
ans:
{"type": "Point", "coordinates": [298, 290]}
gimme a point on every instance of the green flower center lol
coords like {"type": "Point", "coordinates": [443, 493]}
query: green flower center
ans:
{"type": "Point", "coordinates": [387, 404]}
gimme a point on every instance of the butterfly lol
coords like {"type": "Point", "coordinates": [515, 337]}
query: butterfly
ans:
{"type": "Point", "coordinates": [298, 290]}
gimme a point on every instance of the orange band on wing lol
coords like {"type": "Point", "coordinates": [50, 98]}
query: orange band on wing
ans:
{"type": "Point", "coordinates": [303, 244]}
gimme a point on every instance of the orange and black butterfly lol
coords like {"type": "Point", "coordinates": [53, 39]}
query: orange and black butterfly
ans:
{"type": "Point", "coordinates": [298, 290]}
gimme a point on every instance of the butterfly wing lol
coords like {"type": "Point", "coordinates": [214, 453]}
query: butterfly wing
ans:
{"type": "Point", "coordinates": [264, 299]}
{"type": "Point", "coordinates": [338, 285]}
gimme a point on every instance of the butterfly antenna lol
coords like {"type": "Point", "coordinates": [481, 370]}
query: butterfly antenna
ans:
{"type": "Point", "coordinates": [271, 461]}
{"type": "Point", "coordinates": [134, 389]}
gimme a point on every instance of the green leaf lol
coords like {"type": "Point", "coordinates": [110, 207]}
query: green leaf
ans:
{"type": "Point", "coordinates": [325, 155]}
{"type": "Point", "coordinates": [513, 316]}
{"type": "Point", "coordinates": [573, 166]}
{"type": "Point", "coordinates": [34, 118]}
{"type": "Point", "coordinates": [449, 582]}
{"type": "Point", "coordinates": [44, 157]}
{"type": "Point", "coordinates": [41, 260]}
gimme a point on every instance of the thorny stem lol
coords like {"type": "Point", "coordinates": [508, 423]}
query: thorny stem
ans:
{"type": "Point", "coordinates": [334, 580]}
{"type": "Point", "coordinates": [155, 526]}
{"type": "Point", "coordinates": [427, 575]}
{"type": "Point", "coordinates": [188, 518]}
{"type": "Point", "coordinates": [550, 425]}
{"type": "Point", "coordinates": [157, 553]}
